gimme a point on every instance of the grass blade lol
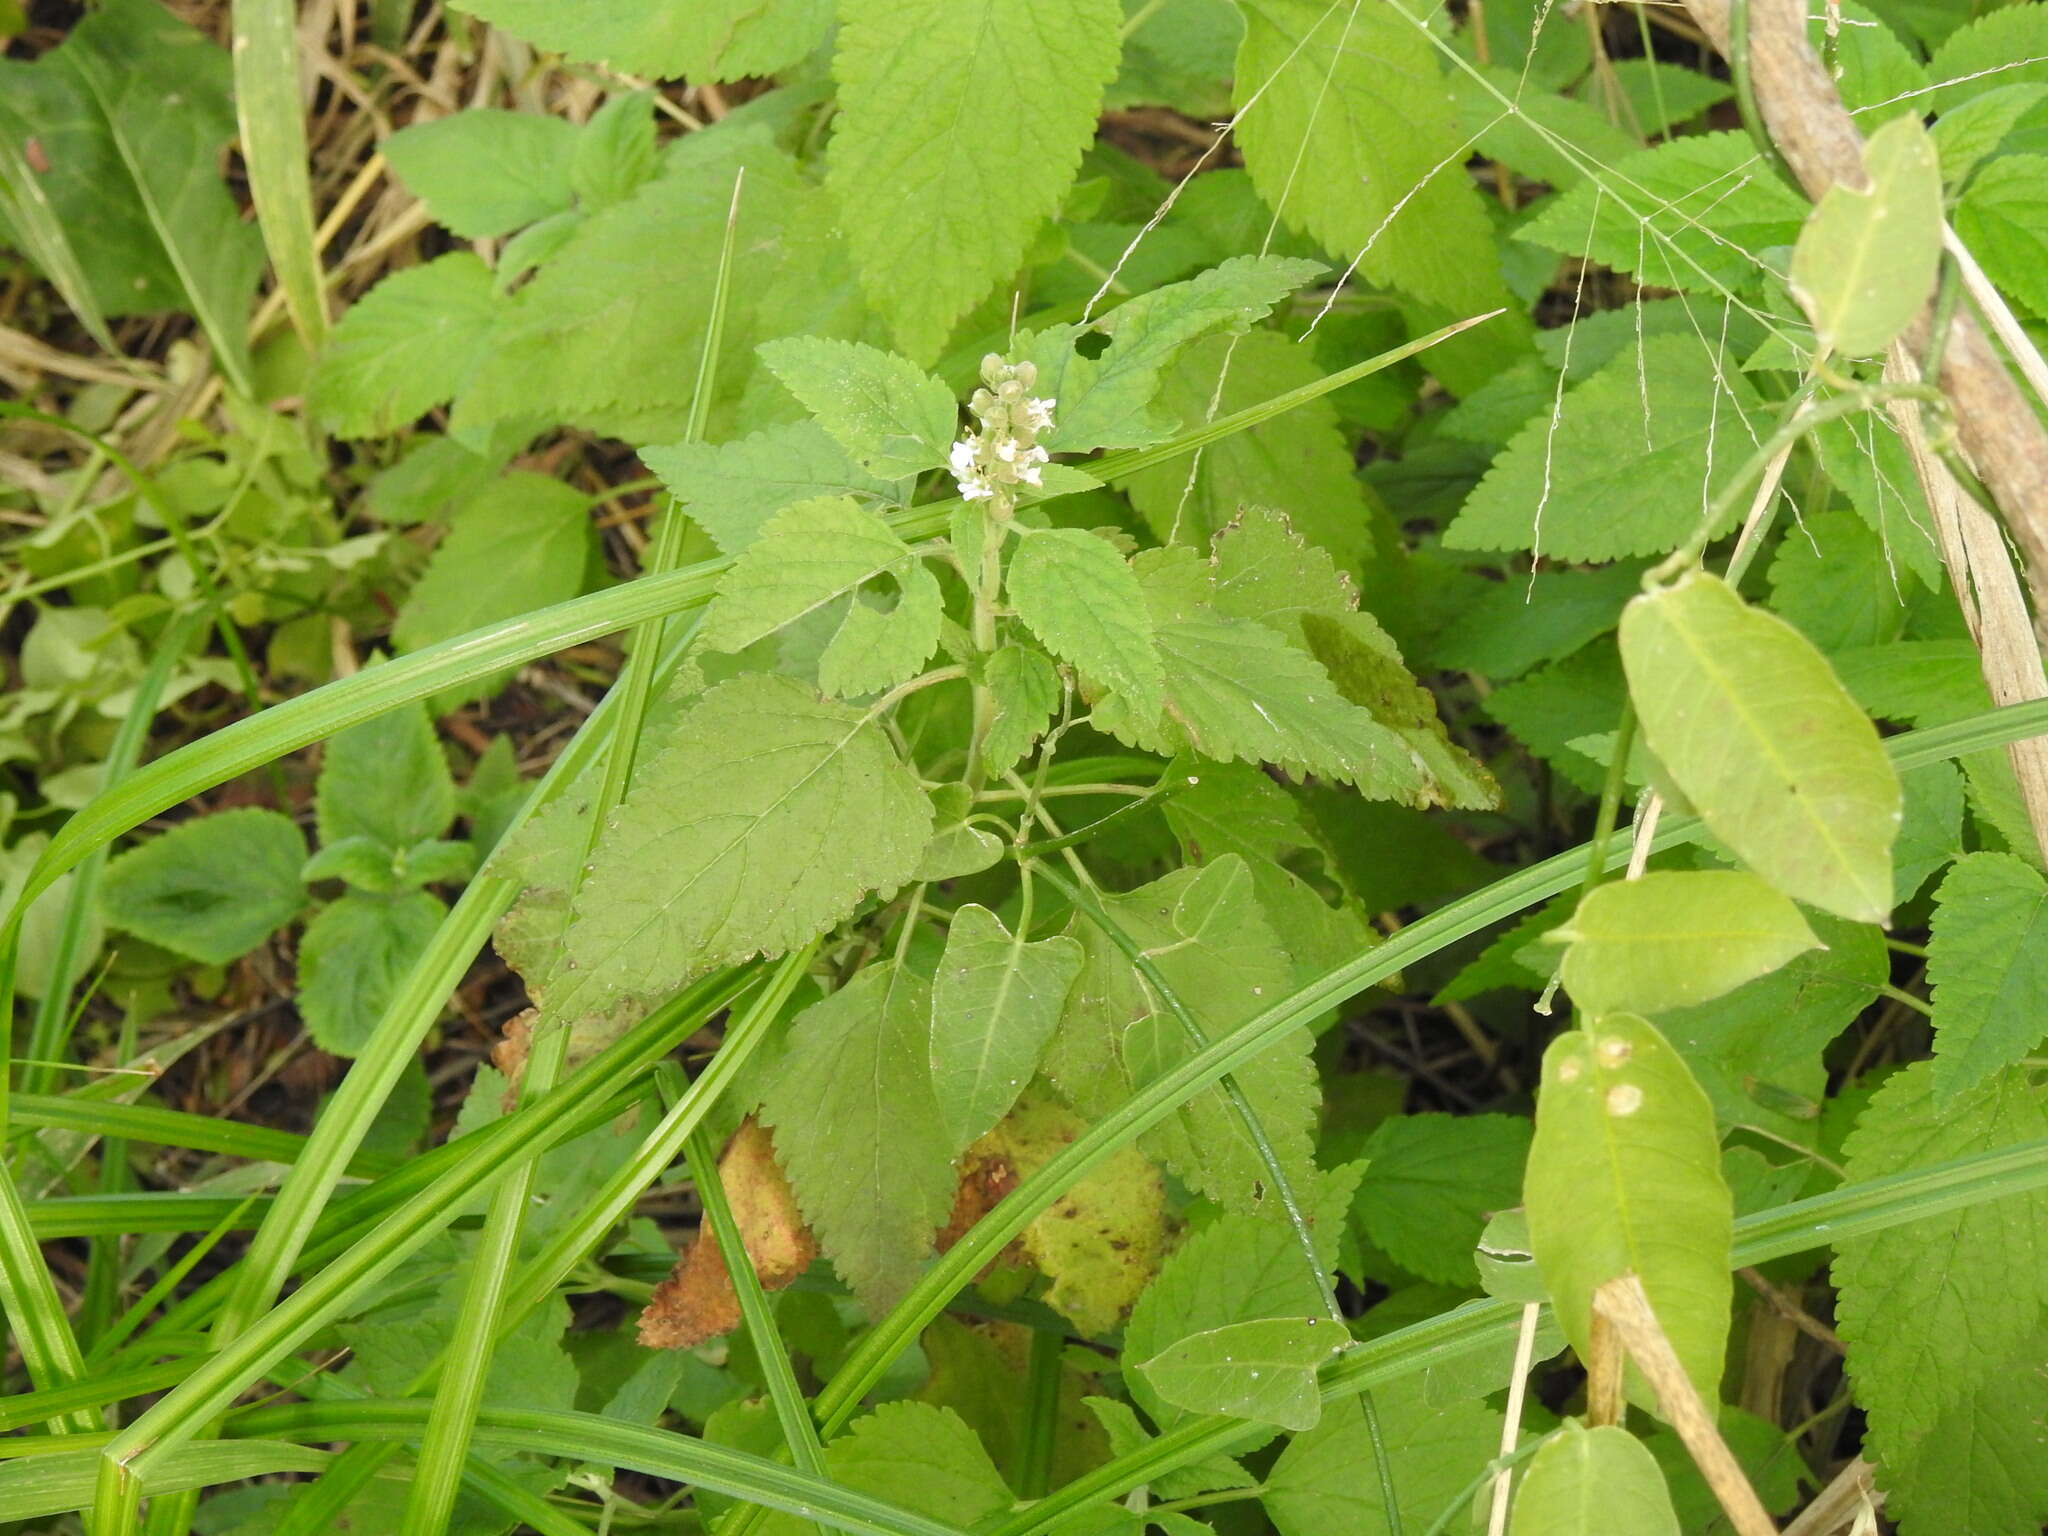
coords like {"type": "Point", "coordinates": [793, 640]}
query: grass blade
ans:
{"type": "Point", "coordinates": [273, 122]}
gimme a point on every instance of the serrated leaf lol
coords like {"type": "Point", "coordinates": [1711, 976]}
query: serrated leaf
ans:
{"type": "Point", "coordinates": [2003, 219]}
{"type": "Point", "coordinates": [768, 818]}
{"type": "Point", "coordinates": [1326, 1480]}
{"type": "Point", "coordinates": [386, 779]}
{"type": "Point", "coordinates": [1980, 1467]}
{"type": "Point", "coordinates": [961, 123]}
{"type": "Point", "coordinates": [1987, 959]}
{"type": "Point", "coordinates": [211, 888]}
{"type": "Point", "coordinates": [706, 40]}
{"type": "Point", "coordinates": [352, 959]}
{"type": "Point", "coordinates": [1760, 735]}
{"type": "Point", "coordinates": [732, 489]}
{"type": "Point", "coordinates": [1106, 402]}
{"type": "Point", "coordinates": [1205, 933]}
{"type": "Point", "coordinates": [916, 1456]}
{"type": "Point", "coordinates": [1694, 213]}
{"type": "Point", "coordinates": [1621, 470]}
{"type": "Point", "coordinates": [1080, 598]}
{"type": "Point", "coordinates": [1128, 1437]}
{"type": "Point", "coordinates": [1026, 690]}
{"type": "Point", "coordinates": [1676, 937]}
{"type": "Point", "coordinates": [1431, 1183]}
{"type": "Point", "coordinates": [995, 1003]}
{"type": "Point", "coordinates": [811, 555]}
{"type": "Point", "coordinates": [523, 542]}
{"type": "Point", "coordinates": [890, 416]}
{"type": "Point", "coordinates": [1867, 259]}
{"type": "Point", "coordinates": [1350, 134]}
{"type": "Point", "coordinates": [858, 1132]}
{"type": "Point", "coordinates": [1263, 1370]}
{"type": "Point", "coordinates": [1586, 1482]}
{"type": "Point", "coordinates": [1625, 1177]}
{"type": "Point", "coordinates": [1938, 1310]}
{"type": "Point", "coordinates": [485, 172]}
{"type": "Point", "coordinates": [616, 151]}
{"type": "Point", "coordinates": [2006, 44]}
{"type": "Point", "coordinates": [405, 347]}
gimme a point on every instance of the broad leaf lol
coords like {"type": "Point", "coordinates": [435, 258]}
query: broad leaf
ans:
{"type": "Point", "coordinates": [890, 416]}
{"type": "Point", "coordinates": [1625, 1178]}
{"type": "Point", "coordinates": [857, 1131]}
{"type": "Point", "coordinates": [1432, 1182]}
{"type": "Point", "coordinates": [1263, 1370]}
{"type": "Point", "coordinates": [1675, 938]}
{"type": "Point", "coordinates": [352, 960]}
{"type": "Point", "coordinates": [1620, 470]}
{"type": "Point", "coordinates": [1327, 1480]}
{"type": "Point", "coordinates": [1026, 690]}
{"type": "Point", "coordinates": [2003, 218]}
{"type": "Point", "coordinates": [1587, 1482]}
{"type": "Point", "coordinates": [995, 1003]}
{"type": "Point", "coordinates": [1760, 735]}
{"type": "Point", "coordinates": [1079, 597]}
{"type": "Point", "coordinates": [1866, 261]}
{"type": "Point", "coordinates": [705, 40]}
{"type": "Point", "coordinates": [1988, 962]}
{"type": "Point", "coordinates": [212, 888]}
{"type": "Point", "coordinates": [960, 124]}
{"type": "Point", "coordinates": [386, 779]}
{"type": "Point", "coordinates": [732, 489]}
{"type": "Point", "coordinates": [405, 347]}
{"type": "Point", "coordinates": [767, 819]}
{"type": "Point", "coordinates": [486, 172]}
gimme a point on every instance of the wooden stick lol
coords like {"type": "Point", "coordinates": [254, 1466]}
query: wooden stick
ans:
{"type": "Point", "coordinates": [1604, 1355]}
{"type": "Point", "coordinates": [1626, 1307]}
{"type": "Point", "coordinates": [1837, 1505]}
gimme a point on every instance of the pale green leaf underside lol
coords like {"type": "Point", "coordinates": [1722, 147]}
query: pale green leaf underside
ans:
{"type": "Point", "coordinates": [1589, 1482]}
{"type": "Point", "coordinates": [1866, 261]}
{"type": "Point", "coordinates": [1263, 1370]}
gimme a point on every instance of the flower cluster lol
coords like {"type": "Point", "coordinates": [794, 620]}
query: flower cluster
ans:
{"type": "Point", "coordinates": [1004, 454]}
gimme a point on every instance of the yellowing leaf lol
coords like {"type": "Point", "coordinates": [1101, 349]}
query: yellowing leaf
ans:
{"type": "Point", "coordinates": [1866, 261]}
{"type": "Point", "coordinates": [1760, 735]}
{"type": "Point", "coordinates": [1625, 1178]}
{"type": "Point", "coordinates": [1674, 938]}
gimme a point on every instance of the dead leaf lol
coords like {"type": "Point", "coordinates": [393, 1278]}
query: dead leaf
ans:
{"type": "Point", "coordinates": [697, 1301]}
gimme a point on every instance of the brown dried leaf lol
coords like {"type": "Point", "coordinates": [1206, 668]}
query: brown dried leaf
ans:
{"type": "Point", "coordinates": [697, 1301]}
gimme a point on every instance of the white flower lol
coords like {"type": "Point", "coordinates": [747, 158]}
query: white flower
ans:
{"type": "Point", "coordinates": [962, 458]}
{"type": "Point", "coordinates": [1030, 474]}
{"type": "Point", "coordinates": [975, 490]}
{"type": "Point", "coordinates": [1039, 414]}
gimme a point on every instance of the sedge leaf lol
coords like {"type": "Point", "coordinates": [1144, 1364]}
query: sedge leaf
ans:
{"type": "Point", "coordinates": [1625, 1177]}
{"type": "Point", "coordinates": [1760, 735]}
{"type": "Point", "coordinates": [1866, 261]}
{"type": "Point", "coordinates": [1674, 938]}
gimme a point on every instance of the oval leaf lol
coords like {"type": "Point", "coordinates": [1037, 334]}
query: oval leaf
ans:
{"type": "Point", "coordinates": [1866, 260]}
{"type": "Point", "coordinates": [1673, 939]}
{"type": "Point", "coordinates": [1625, 1177]}
{"type": "Point", "coordinates": [1760, 735]}
{"type": "Point", "coordinates": [1264, 1370]}
{"type": "Point", "coordinates": [1588, 1482]}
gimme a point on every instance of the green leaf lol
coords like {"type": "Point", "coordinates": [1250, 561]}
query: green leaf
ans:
{"type": "Point", "coordinates": [1988, 961]}
{"type": "Point", "coordinates": [1431, 1184]}
{"type": "Point", "coordinates": [961, 123]}
{"type": "Point", "coordinates": [1106, 402]}
{"type": "Point", "coordinates": [2003, 219]}
{"type": "Point", "coordinates": [890, 416]}
{"type": "Point", "coordinates": [1760, 735]}
{"type": "Point", "coordinates": [1868, 462]}
{"type": "Point", "coordinates": [386, 779]}
{"type": "Point", "coordinates": [2002, 47]}
{"type": "Point", "coordinates": [1695, 213]}
{"type": "Point", "coordinates": [1026, 689]}
{"type": "Point", "coordinates": [1866, 261]}
{"type": "Point", "coordinates": [858, 1131]}
{"type": "Point", "coordinates": [353, 959]}
{"type": "Point", "coordinates": [1586, 1482]}
{"type": "Point", "coordinates": [485, 172]}
{"type": "Point", "coordinates": [1129, 1437]}
{"type": "Point", "coordinates": [524, 542]}
{"type": "Point", "coordinates": [362, 862]}
{"type": "Point", "coordinates": [1676, 937]}
{"type": "Point", "coordinates": [708, 40]}
{"type": "Point", "coordinates": [1326, 1480]}
{"type": "Point", "coordinates": [1263, 1370]}
{"type": "Point", "coordinates": [1625, 1177]}
{"type": "Point", "coordinates": [1523, 622]}
{"type": "Point", "coordinates": [816, 553]}
{"type": "Point", "coordinates": [768, 818]}
{"type": "Point", "coordinates": [1350, 135]}
{"type": "Point", "coordinates": [160, 110]}
{"type": "Point", "coordinates": [917, 1457]}
{"type": "Point", "coordinates": [732, 489]}
{"type": "Point", "coordinates": [211, 888]}
{"type": "Point", "coordinates": [1204, 932]}
{"type": "Point", "coordinates": [405, 347]}
{"type": "Point", "coordinates": [1081, 599]}
{"type": "Point", "coordinates": [995, 1003]}
{"type": "Point", "coordinates": [1299, 462]}
{"type": "Point", "coordinates": [1621, 470]}
{"type": "Point", "coordinates": [2005, 117]}
{"type": "Point", "coordinates": [1940, 1314]}
{"type": "Point", "coordinates": [616, 152]}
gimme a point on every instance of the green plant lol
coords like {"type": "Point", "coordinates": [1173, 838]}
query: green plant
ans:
{"type": "Point", "coordinates": [1151, 676]}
